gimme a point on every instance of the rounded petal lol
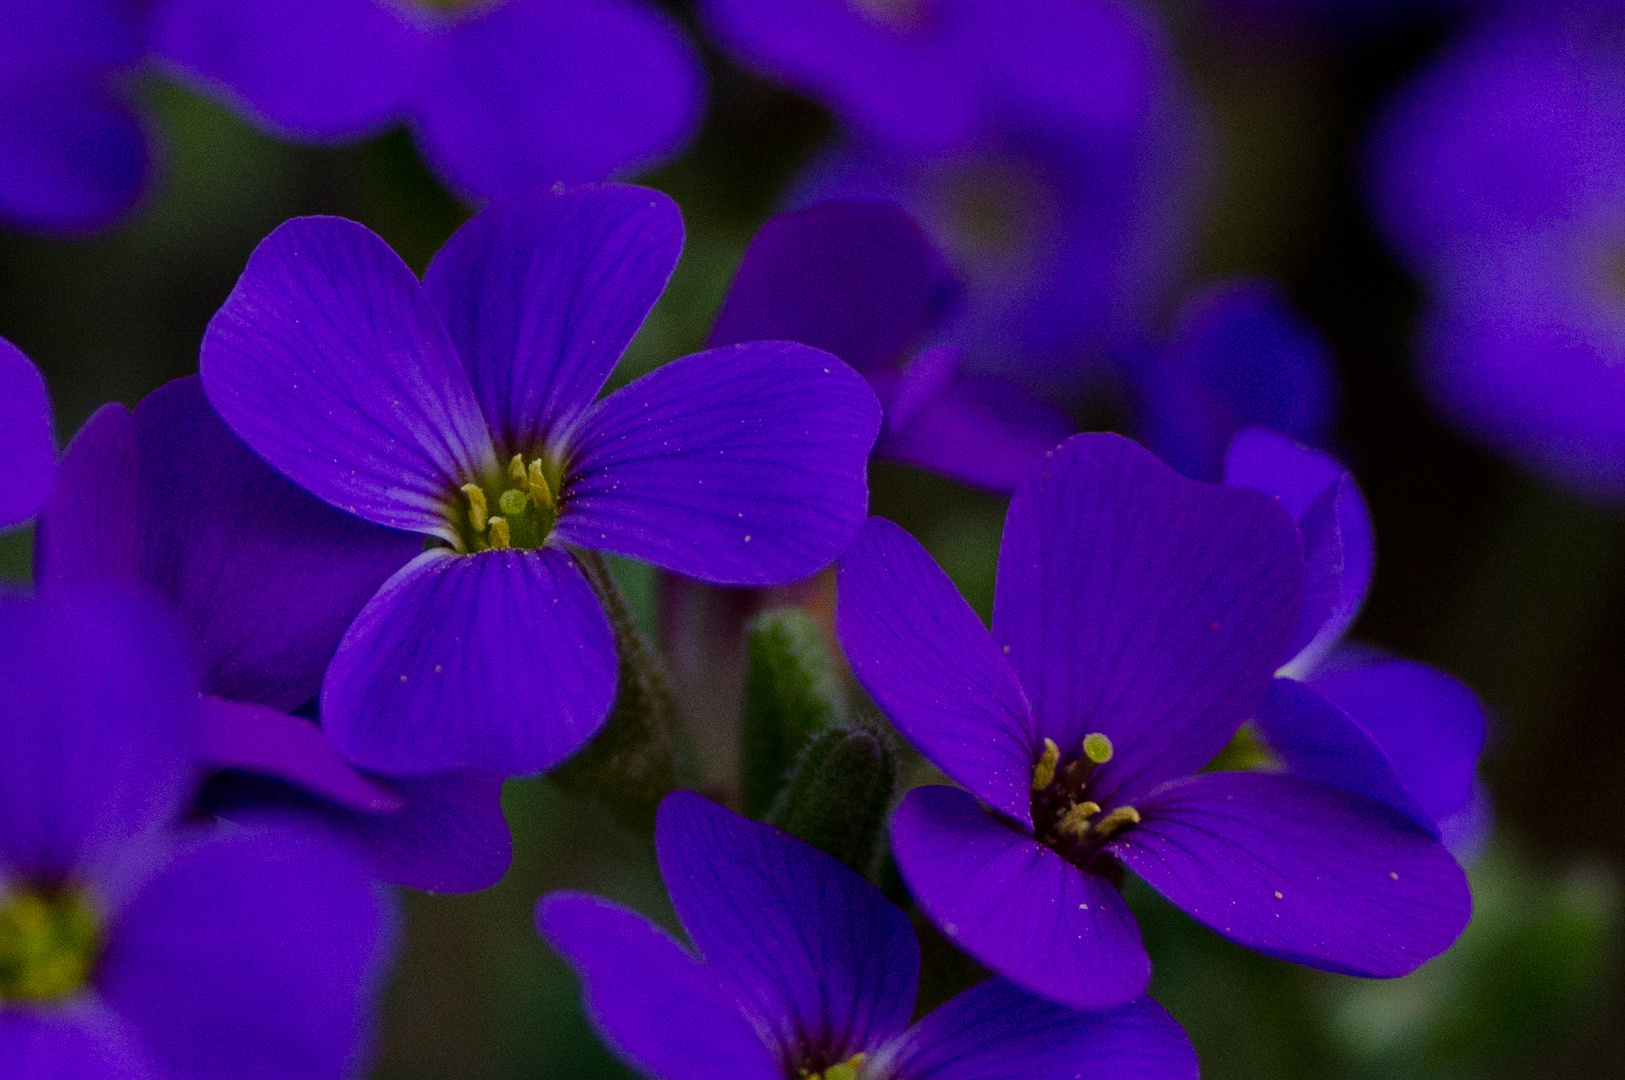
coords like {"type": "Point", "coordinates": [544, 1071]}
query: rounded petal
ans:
{"type": "Point", "coordinates": [1143, 605]}
{"type": "Point", "coordinates": [89, 533]}
{"type": "Point", "coordinates": [1300, 871]}
{"type": "Point", "coordinates": [1015, 905]}
{"type": "Point", "coordinates": [503, 661]}
{"type": "Point", "coordinates": [329, 362]}
{"type": "Point", "coordinates": [997, 1031]}
{"type": "Point", "coordinates": [542, 294]}
{"type": "Point", "coordinates": [325, 71]}
{"type": "Point", "coordinates": [858, 279]}
{"type": "Point", "coordinates": [810, 950]}
{"type": "Point", "coordinates": [744, 465]}
{"type": "Point", "coordinates": [934, 670]}
{"type": "Point", "coordinates": [100, 729]}
{"type": "Point", "coordinates": [536, 92]}
{"type": "Point", "coordinates": [84, 1041]}
{"type": "Point", "coordinates": [658, 1008]}
{"type": "Point", "coordinates": [27, 444]}
{"type": "Point", "coordinates": [257, 954]}
{"type": "Point", "coordinates": [73, 154]}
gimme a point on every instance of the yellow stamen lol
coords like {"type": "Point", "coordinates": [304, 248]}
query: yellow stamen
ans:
{"type": "Point", "coordinates": [516, 470]}
{"type": "Point", "coordinates": [846, 1070]}
{"type": "Point", "coordinates": [501, 535]}
{"type": "Point", "coordinates": [537, 482]}
{"type": "Point", "coordinates": [1044, 771]}
{"type": "Point", "coordinates": [1123, 815]}
{"type": "Point", "coordinates": [1075, 822]}
{"type": "Point", "coordinates": [1097, 748]}
{"type": "Point", "coordinates": [478, 512]}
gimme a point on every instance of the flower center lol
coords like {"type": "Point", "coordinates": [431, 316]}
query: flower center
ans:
{"type": "Point", "coordinates": [49, 941]}
{"type": "Point", "coordinates": [897, 14]}
{"type": "Point", "coordinates": [1064, 818]}
{"type": "Point", "coordinates": [850, 1069]}
{"type": "Point", "coordinates": [515, 510]}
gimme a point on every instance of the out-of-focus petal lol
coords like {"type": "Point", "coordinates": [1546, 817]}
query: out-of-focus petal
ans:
{"type": "Point", "coordinates": [83, 1041]}
{"type": "Point", "coordinates": [542, 295]}
{"type": "Point", "coordinates": [89, 533]}
{"type": "Point", "coordinates": [451, 838]}
{"type": "Point", "coordinates": [257, 739]}
{"type": "Point", "coordinates": [257, 954]}
{"type": "Point", "coordinates": [331, 364]}
{"type": "Point", "coordinates": [745, 465]}
{"type": "Point", "coordinates": [502, 661]}
{"type": "Point", "coordinates": [1143, 605]}
{"type": "Point", "coordinates": [73, 154]}
{"type": "Point", "coordinates": [1015, 905]}
{"type": "Point", "coordinates": [933, 668]}
{"type": "Point", "coordinates": [536, 92]}
{"type": "Point", "coordinates": [27, 444]}
{"type": "Point", "coordinates": [1300, 871]}
{"type": "Point", "coordinates": [810, 950]}
{"type": "Point", "coordinates": [654, 1004]}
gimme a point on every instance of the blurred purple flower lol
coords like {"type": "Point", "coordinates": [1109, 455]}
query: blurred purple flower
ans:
{"type": "Point", "coordinates": [1397, 731]}
{"type": "Point", "coordinates": [804, 969]}
{"type": "Point", "coordinates": [462, 409]}
{"type": "Point", "coordinates": [1139, 619]}
{"type": "Point", "coordinates": [265, 578]}
{"type": "Point", "coordinates": [129, 948]}
{"type": "Point", "coordinates": [27, 442]}
{"type": "Point", "coordinates": [73, 152]}
{"type": "Point", "coordinates": [862, 280]}
{"type": "Point", "coordinates": [1498, 173]}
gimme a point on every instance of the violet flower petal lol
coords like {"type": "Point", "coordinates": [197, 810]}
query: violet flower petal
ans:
{"type": "Point", "coordinates": [541, 296]}
{"type": "Point", "coordinates": [934, 670]}
{"type": "Point", "coordinates": [27, 444]}
{"type": "Point", "coordinates": [267, 576]}
{"type": "Point", "coordinates": [657, 1007]}
{"type": "Point", "coordinates": [100, 730]}
{"type": "Point", "coordinates": [451, 838]}
{"type": "Point", "coordinates": [1430, 725]}
{"type": "Point", "coordinates": [83, 1041]}
{"type": "Point", "coordinates": [997, 1031]}
{"type": "Point", "coordinates": [329, 362]}
{"type": "Point", "coordinates": [323, 71]}
{"type": "Point", "coordinates": [73, 154]}
{"type": "Point", "coordinates": [812, 953]}
{"type": "Point", "coordinates": [534, 92]}
{"type": "Point", "coordinates": [858, 279]}
{"type": "Point", "coordinates": [1143, 605]}
{"type": "Point", "coordinates": [1015, 905]}
{"type": "Point", "coordinates": [258, 739]}
{"type": "Point", "coordinates": [744, 465]}
{"type": "Point", "coordinates": [502, 661]}
{"type": "Point", "coordinates": [1302, 872]}
{"type": "Point", "coordinates": [257, 954]}
{"type": "Point", "coordinates": [89, 533]}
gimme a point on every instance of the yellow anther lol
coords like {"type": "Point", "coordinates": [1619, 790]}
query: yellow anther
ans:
{"type": "Point", "coordinates": [1044, 771]}
{"type": "Point", "coordinates": [537, 482]}
{"type": "Point", "coordinates": [1097, 748]}
{"type": "Point", "coordinates": [512, 502]}
{"type": "Point", "coordinates": [846, 1070]}
{"type": "Point", "coordinates": [478, 512]}
{"type": "Point", "coordinates": [516, 470]}
{"type": "Point", "coordinates": [1123, 815]}
{"type": "Point", "coordinates": [1075, 822]}
{"type": "Point", "coordinates": [501, 535]}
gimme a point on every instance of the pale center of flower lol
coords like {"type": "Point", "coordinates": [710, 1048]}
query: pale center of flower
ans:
{"type": "Point", "coordinates": [516, 509]}
{"type": "Point", "coordinates": [993, 212]}
{"type": "Point", "coordinates": [897, 14]}
{"type": "Point", "coordinates": [1064, 817]}
{"type": "Point", "coordinates": [49, 941]}
{"type": "Point", "coordinates": [850, 1069]}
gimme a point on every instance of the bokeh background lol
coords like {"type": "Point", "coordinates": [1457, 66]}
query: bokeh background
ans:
{"type": "Point", "coordinates": [1509, 584]}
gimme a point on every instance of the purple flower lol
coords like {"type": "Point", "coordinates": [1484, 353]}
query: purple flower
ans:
{"type": "Point", "coordinates": [1499, 174]}
{"type": "Point", "coordinates": [804, 969]}
{"type": "Point", "coordinates": [27, 444]}
{"type": "Point", "coordinates": [133, 949]}
{"type": "Point", "coordinates": [265, 578]}
{"type": "Point", "coordinates": [861, 280]}
{"type": "Point", "coordinates": [462, 409]}
{"type": "Point", "coordinates": [73, 153]}
{"type": "Point", "coordinates": [502, 95]}
{"type": "Point", "coordinates": [1237, 357]}
{"type": "Point", "coordinates": [1393, 730]}
{"type": "Point", "coordinates": [1139, 619]}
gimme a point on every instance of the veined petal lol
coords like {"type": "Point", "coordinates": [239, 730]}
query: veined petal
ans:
{"type": "Point", "coordinates": [858, 279]}
{"type": "Point", "coordinates": [654, 1004]}
{"type": "Point", "coordinates": [1143, 605]}
{"type": "Point", "coordinates": [330, 363]}
{"type": "Point", "coordinates": [810, 950]}
{"type": "Point", "coordinates": [744, 465]}
{"type": "Point", "coordinates": [1015, 905]}
{"type": "Point", "coordinates": [997, 1031]}
{"type": "Point", "coordinates": [27, 445]}
{"type": "Point", "coordinates": [542, 295]}
{"type": "Point", "coordinates": [535, 92]}
{"type": "Point", "coordinates": [1300, 871]}
{"type": "Point", "coordinates": [89, 533]}
{"type": "Point", "coordinates": [502, 661]}
{"type": "Point", "coordinates": [271, 944]}
{"type": "Point", "coordinates": [934, 670]}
